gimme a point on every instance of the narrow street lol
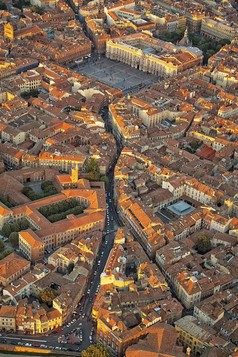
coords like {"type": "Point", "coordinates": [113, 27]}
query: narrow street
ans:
{"type": "Point", "coordinates": [83, 319]}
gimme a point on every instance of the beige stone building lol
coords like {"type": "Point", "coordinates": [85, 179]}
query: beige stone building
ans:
{"type": "Point", "coordinates": [8, 318]}
{"type": "Point", "coordinates": [31, 246]}
{"type": "Point", "coordinates": [218, 29]}
{"type": "Point", "coordinates": [151, 55]}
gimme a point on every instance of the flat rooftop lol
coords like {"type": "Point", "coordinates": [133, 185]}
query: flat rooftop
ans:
{"type": "Point", "coordinates": [181, 208]}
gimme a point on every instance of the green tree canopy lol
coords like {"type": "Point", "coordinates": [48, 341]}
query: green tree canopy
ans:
{"type": "Point", "coordinates": [37, 9]}
{"type": "Point", "coordinates": [105, 179]}
{"type": "Point", "coordinates": [5, 201]}
{"type": "Point", "coordinates": [20, 3]}
{"type": "Point", "coordinates": [70, 267]}
{"type": "Point", "coordinates": [24, 224]}
{"type": "Point", "coordinates": [60, 210]}
{"type": "Point", "coordinates": [15, 227]}
{"type": "Point", "coordinates": [48, 190]}
{"type": "Point", "coordinates": [203, 244]}
{"type": "Point", "coordinates": [32, 93]}
{"type": "Point", "coordinates": [47, 295]}
{"type": "Point", "coordinates": [194, 144]}
{"type": "Point", "coordinates": [14, 239]}
{"type": "Point", "coordinates": [3, 6]}
{"type": "Point", "coordinates": [5, 252]}
{"type": "Point", "coordinates": [97, 350]}
{"type": "Point", "coordinates": [6, 230]}
{"type": "Point", "coordinates": [1, 246]}
{"type": "Point", "coordinates": [207, 45]}
{"type": "Point", "coordinates": [92, 168]}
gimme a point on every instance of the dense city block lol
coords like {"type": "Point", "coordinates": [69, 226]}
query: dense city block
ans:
{"type": "Point", "coordinates": [119, 178]}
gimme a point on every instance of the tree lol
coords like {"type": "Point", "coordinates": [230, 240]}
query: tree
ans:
{"type": "Point", "coordinates": [1, 246]}
{"type": "Point", "coordinates": [47, 295]}
{"type": "Point", "coordinates": [15, 227]}
{"type": "Point", "coordinates": [105, 179]}
{"type": "Point", "coordinates": [169, 36]}
{"type": "Point", "coordinates": [70, 268]}
{"type": "Point", "coordinates": [3, 6]}
{"type": "Point", "coordinates": [203, 244]}
{"type": "Point", "coordinates": [5, 201]}
{"type": "Point", "coordinates": [60, 210]}
{"type": "Point", "coordinates": [32, 93]}
{"type": "Point", "coordinates": [37, 9]}
{"type": "Point", "coordinates": [14, 239]}
{"type": "Point", "coordinates": [223, 42]}
{"type": "Point", "coordinates": [6, 230]}
{"type": "Point", "coordinates": [92, 168]}
{"type": "Point", "coordinates": [48, 186]}
{"type": "Point", "coordinates": [194, 145]}
{"type": "Point", "coordinates": [4, 253]}
{"type": "Point", "coordinates": [24, 224]}
{"type": "Point", "coordinates": [97, 350]}
{"type": "Point", "coordinates": [21, 3]}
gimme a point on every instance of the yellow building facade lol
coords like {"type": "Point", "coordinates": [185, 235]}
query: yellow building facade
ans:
{"type": "Point", "coordinates": [8, 31]}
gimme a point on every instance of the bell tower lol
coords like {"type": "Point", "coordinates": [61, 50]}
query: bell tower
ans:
{"type": "Point", "coordinates": [75, 174]}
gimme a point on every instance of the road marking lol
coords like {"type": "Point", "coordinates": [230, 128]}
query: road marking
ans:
{"type": "Point", "coordinates": [12, 338]}
{"type": "Point", "coordinates": [29, 339]}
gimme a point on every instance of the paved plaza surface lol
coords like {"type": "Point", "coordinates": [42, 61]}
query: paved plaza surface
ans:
{"type": "Point", "coordinates": [115, 73]}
